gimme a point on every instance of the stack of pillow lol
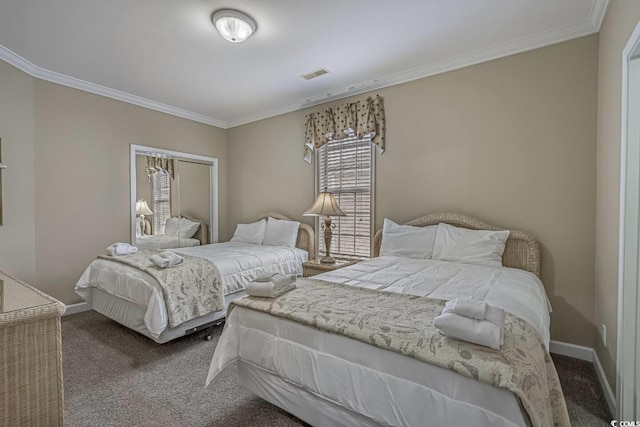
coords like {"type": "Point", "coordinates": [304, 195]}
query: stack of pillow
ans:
{"type": "Point", "coordinates": [270, 231]}
{"type": "Point", "coordinates": [444, 242]}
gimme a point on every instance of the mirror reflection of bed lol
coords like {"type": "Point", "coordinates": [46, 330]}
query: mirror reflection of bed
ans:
{"type": "Point", "coordinates": [173, 199]}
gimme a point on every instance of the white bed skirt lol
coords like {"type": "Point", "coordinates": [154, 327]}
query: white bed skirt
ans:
{"type": "Point", "coordinates": [389, 388]}
{"type": "Point", "coordinates": [305, 405]}
{"type": "Point", "coordinates": [132, 316]}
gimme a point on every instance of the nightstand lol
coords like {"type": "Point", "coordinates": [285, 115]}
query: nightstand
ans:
{"type": "Point", "coordinates": [312, 268]}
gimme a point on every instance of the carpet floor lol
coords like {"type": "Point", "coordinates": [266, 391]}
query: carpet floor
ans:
{"type": "Point", "coordinates": [116, 377]}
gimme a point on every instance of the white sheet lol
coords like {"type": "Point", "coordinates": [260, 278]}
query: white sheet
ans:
{"type": "Point", "coordinates": [238, 264]}
{"type": "Point", "coordinates": [161, 241]}
{"type": "Point", "coordinates": [384, 386]}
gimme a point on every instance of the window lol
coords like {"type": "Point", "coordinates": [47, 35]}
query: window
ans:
{"type": "Point", "coordinates": [161, 189]}
{"type": "Point", "coordinates": [345, 168]}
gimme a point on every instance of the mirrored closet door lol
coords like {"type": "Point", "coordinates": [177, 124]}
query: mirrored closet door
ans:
{"type": "Point", "coordinates": [173, 198]}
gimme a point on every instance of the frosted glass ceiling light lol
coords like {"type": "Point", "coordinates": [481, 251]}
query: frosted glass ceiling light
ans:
{"type": "Point", "coordinates": [233, 25]}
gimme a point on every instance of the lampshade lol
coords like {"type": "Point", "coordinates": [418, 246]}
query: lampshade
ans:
{"type": "Point", "coordinates": [233, 25]}
{"type": "Point", "coordinates": [142, 208]}
{"type": "Point", "coordinates": [325, 205]}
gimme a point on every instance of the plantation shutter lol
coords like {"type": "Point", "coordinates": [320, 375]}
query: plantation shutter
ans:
{"type": "Point", "coordinates": [161, 187]}
{"type": "Point", "coordinates": [345, 168]}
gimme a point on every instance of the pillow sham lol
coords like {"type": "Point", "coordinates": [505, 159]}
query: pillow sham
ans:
{"type": "Point", "coordinates": [250, 233]}
{"type": "Point", "coordinates": [281, 232]}
{"type": "Point", "coordinates": [407, 240]}
{"type": "Point", "coordinates": [481, 247]}
{"type": "Point", "coordinates": [182, 227]}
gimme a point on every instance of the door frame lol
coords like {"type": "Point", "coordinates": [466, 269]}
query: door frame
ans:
{"type": "Point", "coordinates": [629, 237]}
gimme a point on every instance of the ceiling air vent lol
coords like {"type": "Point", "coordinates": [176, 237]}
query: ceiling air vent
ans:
{"type": "Point", "coordinates": [314, 74]}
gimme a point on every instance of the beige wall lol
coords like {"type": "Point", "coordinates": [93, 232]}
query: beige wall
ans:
{"type": "Point", "coordinates": [510, 141]}
{"type": "Point", "coordinates": [620, 20]}
{"type": "Point", "coordinates": [82, 175]}
{"type": "Point", "coordinates": [17, 234]}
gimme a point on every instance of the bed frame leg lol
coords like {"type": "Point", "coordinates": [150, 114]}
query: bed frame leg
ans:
{"type": "Point", "coordinates": [207, 327]}
{"type": "Point", "coordinates": [208, 333]}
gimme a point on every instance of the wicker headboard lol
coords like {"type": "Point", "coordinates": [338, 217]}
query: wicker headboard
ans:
{"type": "Point", "coordinates": [306, 236]}
{"type": "Point", "coordinates": [522, 250]}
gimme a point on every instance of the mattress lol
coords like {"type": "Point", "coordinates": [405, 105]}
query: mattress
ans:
{"type": "Point", "coordinates": [238, 263]}
{"type": "Point", "coordinates": [162, 241]}
{"type": "Point", "coordinates": [383, 386]}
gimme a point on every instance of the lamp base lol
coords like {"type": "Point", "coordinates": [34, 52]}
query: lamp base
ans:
{"type": "Point", "coordinates": [327, 259]}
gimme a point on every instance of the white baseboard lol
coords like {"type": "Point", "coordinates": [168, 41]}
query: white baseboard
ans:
{"type": "Point", "coordinates": [571, 350]}
{"type": "Point", "coordinates": [590, 355]}
{"type": "Point", "coordinates": [606, 388]}
{"type": "Point", "coordinates": [77, 308]}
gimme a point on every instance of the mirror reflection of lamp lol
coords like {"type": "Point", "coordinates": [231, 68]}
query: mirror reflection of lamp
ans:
{"type": "Point", "coordinates": [142, 209]}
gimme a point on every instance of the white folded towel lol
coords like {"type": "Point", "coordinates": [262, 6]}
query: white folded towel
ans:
{"type": "Point", "coordinates": [166, 259]}
{"type": "Point", "coordinates": [495, 315]}
{"type": "Point", "coordinates": [265, 277]}
{"type": "Point", "coordinates": [278, 285]}
{"type": "Point", "coordinates": [481, 332]}
{"type": "Point", "coordinates": [466, 307]}
{"type": "Point", "coordinates": [121, 249]}
{"type": "Point", "coordinates": [268, 289]}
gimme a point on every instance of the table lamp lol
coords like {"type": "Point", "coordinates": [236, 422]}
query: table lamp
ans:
{"type": "Point", "coordinates": [142, 209]}
{"type": "Point", "coordinates": [326, 206]}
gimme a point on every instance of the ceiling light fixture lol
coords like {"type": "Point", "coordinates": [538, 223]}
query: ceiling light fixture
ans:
{"type": "Point", "coordinates": [233, 25]}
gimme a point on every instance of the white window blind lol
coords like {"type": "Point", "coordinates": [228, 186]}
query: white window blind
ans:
{"type": "Point", "coordinates": [161, 188]}
{"type": "Point", "coordinates": [345, 168]}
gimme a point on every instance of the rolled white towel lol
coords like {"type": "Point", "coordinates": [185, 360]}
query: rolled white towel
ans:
{"type": "Point", "coordinates": [166, 259]}
{"type": "Point", "coordinates": [121, 249]}
{"type": "Point", "coordinates": [476, 331]}
{"type": "Point", "coordinates": [466, 307]}
{"type": "Point", "coordinates": [268, 289]}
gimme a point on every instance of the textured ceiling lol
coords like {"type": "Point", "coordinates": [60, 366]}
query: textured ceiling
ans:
{"type": "Point", "coordinates": [166, 54]}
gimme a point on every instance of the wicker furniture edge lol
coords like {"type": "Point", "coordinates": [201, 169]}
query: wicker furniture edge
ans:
{"type": "Point", "coordinates": [318, 268]}
{"type": "Point", "coordinates": [52, 310]}
{"type": "Point", "coordinates": [306, 236]}
{"type": "Point", "coordinates": [36, 333]}
{"type": "Point", "coordinates": [522, 250]}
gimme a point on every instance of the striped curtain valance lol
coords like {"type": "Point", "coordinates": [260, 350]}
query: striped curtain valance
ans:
{"type": "Point", "coordinates": [362, 119]}
{"type": "Point", "coordinates": [155, 164]}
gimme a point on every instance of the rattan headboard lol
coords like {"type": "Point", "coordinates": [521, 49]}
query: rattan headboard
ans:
{"type": "Point", "coordinates": [306, 236]}
{"type": "Point", "coordinates": [522, 250]}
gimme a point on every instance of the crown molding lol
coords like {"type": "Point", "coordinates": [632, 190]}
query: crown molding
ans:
{"type": "Point", "coordinates": [51, 76]}
{"type": "Point", "coordinates": [598, 12]}
{"type": "Point", "coordinates": [589, 26]}
{"type": "Point", "coordinates": [536, 41]}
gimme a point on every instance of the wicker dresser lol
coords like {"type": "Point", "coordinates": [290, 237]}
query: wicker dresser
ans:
{"type": "Point", "coordinates": [31, 390]}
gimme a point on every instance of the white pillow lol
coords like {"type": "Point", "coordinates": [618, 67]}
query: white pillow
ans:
{"type": "Point", "coordinates": [281, 232]}
{"type": "Point", "coordinates": [182, 227]}
{"type": "Point", "coordinates": [482, 247]}
{"type": "Point", "coordinates": [407, 240]}
{"type": "Point", "coordinates": [250, 233]}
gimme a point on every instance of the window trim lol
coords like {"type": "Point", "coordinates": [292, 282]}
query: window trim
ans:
{"type": "Point", "coordinates": [317, 220]}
